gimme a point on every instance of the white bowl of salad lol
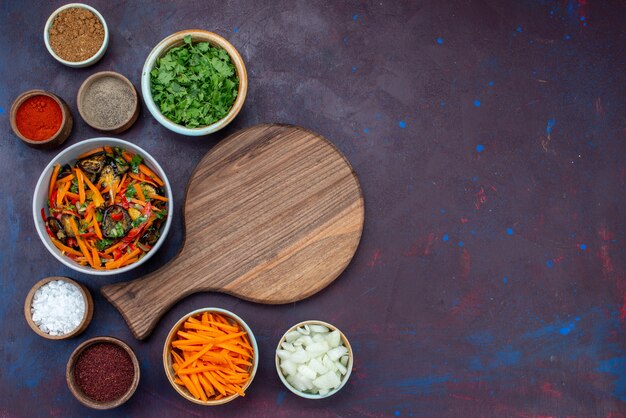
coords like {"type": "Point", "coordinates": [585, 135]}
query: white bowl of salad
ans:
{"type": "Point", "coordinates": [103, 206]}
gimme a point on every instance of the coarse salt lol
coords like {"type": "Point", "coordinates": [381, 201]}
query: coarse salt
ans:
{"type": "Point", "coordinates": [58, 307]}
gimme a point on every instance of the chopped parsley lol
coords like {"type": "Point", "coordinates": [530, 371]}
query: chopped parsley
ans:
{"type": "Point", "coordinates": [162, 214]}
{"type": "Point", "coordinates": [134, 163]}
{"type": "Point", "coordinates": [194, 85]}
{"type": "Point", "coordinates": [139, 221]}
{"type": "Point", "coordinates": [130, 193]}
{"type": "Point", "coordinates": [102, 244]}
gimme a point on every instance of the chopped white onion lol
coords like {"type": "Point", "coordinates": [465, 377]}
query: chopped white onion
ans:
{"type": "Point", "coordinates": [288, 347]}
{"type": "Point", "coordinates": [313, 359]}
{"type": "Point", "coordinates": [320, 329]}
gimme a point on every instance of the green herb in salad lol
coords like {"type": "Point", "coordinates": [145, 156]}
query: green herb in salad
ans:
{"type": "Point", "coordinates": [194, 85]}
{"type": "Point", "coordinates": [135, 162]}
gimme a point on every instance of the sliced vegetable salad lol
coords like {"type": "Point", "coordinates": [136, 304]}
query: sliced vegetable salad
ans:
{"type": "Point", "coordinates": [105, 211]}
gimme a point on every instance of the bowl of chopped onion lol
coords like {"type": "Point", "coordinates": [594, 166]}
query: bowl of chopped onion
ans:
{"type": "Point", "coordinates": [102, 206]}
{"type": "Point", "coordinates": [314, 359]}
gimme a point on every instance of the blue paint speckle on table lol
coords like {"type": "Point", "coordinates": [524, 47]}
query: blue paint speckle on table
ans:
{"type": "Point", "coordinates": [504, 280]}
{"type": "Point", "coordinates": [1, 110]}
{"type": "Point", "coordinates": [423, 385]}
{"type": "Point", "coordinates": [236, 29]}
{"type": "Point", "coordinates": [616, 366]}
{"type": "Point", "coordinates": [345, 39]}
{"type": "Point", "coordinates": [567, 37]}
{"type": "Point", "coordinates": [353, 69]}
{"type": "Point", "coordinates": [366, 130]}
{"type": "Point", "coordinates": [461, 243]}
{"type": "Point", "coordinates": [566, 330]}
{"type": "Point", "coordinates": [445, 237]}
{"type": "Point", "coordinates": [549, 125]}
{"type": "Point", "coordinates": [280, 397]}
{"type": "Point", "coordinates": [477, 103]}
{"type": "Point", "coordinates": [440, 41]}
{"type": "Point", "coordinates": [490, 83]}
{"type": "Point", "coordinates": [442, 210]}
{"type": "Point", "coordinates": [550, 263]}
{"type": "Point", "coordinates": [475, 178]}
{"type": "Point", "coordinates": [509, 231]}
{"type": "Point", "coordinates": [402, 124]}
{"type": "Point", "coordinates": [582, 18]}
{"type": "Point", "coordinates": [355, 17]}
{"type": "Point", "coordinates": [480, 148]}
{"type": "Point", "coordinates": [583, 246]}
{"type": "Point", "coordinates": [519, 29]}
{"type": "Point", "coordinates": [442, 104]}
{"type": "Point", "coordinates": [397, 413]}
{"type": "Point", "coordinates": [506, 357]}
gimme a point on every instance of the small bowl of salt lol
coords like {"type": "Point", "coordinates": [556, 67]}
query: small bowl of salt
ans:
{"type": "Point", "coordinates": [58, 308]}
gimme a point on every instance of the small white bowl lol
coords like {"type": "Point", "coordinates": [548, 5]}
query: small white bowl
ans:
{"type": "Point", "coordinates": [89, 61]}
{"type": "Point", "coordinates": [344, 379]}
{"type": "Point", "coordinates": [177, 39]}
{"type": "Point", "coordinates": [69, 155]}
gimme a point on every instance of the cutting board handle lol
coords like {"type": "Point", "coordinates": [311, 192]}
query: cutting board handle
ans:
{"type": "Point", "coordinates": [142, 302]}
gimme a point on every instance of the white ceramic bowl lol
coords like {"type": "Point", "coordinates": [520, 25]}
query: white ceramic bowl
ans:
{"type": "Point", "coordinates": [177, 39]}
{"type": "Point", "coordinates": [69, 155]}
{"type": "Point", "coordinates": [89, 61]}
{"type": "Point", "coordinates": [344, 379]}
{"type": "Point", "coordinates": [167, 356]}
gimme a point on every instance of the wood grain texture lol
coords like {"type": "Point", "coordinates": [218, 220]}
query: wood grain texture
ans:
{"type": "Point", "coordinates": [273, 215]}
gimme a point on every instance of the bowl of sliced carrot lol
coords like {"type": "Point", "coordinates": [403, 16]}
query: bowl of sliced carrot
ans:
{"type": "Point", "coordinates": [103, 206]}
{"type": "Point", "coordinates": [210, 356]}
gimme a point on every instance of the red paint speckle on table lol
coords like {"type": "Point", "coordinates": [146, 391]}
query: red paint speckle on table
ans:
{"type": "Point", "coordinates": [549, 390]}
{"type": "Point", "coordinates": [464, 220]}
{"type": "Point", "coordinates": [605, 259]}
{"type": "Point", "coordinates": [422, 246]}
{"type": "Point", "coordinates": [466, 263]}
{"type": "Point", "coordinates": [481, 198]}
{"type": "Point", "coordinates": [375, 260]}
{"type": "Point", "coordinates": [622, 314]}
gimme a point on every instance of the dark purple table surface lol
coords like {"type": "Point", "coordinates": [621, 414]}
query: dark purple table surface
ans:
{"type": "Point", "coordinates": [488, 137]}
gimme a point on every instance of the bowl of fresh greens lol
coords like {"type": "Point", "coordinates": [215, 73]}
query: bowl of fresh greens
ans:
{"type": "Point", "coordinates": [194, 82]}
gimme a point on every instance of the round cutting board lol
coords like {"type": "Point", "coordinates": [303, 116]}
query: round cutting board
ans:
{"type": "Point", "coordinates": [273, 214]}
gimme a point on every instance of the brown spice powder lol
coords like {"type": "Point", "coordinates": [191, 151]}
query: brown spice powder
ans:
{"type": "Point", "coordinates": [76, 34]}
{"type": "Point", "coordinates": [108, 103]}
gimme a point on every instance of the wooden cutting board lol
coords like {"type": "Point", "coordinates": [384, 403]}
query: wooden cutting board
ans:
{"type": "Point", "coordinates": [273, 214]}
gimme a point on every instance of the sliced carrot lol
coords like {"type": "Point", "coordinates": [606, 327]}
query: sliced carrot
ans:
{"type": "Point", "coordinates": [97, 197]}
{"type": "Point", "coordinates": [139, 192]}
{"type": "Point", "coordinates": [211, 356]}
{"type": "Point", "coordinates": [96, 227]}
{"type": "Point", "coordinates": [157, 197]}
{"type": "Point", "coordinates": [64, 247]}
{"type": "Point", "coordinates": [79, 240]}
{"type": "Point", "coordinates": [95, 257]}
{"type": "Point", "coordinates": [53, 179]}
{"type": "Point", "coordinates": [144, 169]}
{"type": "Point", "coordinates": [81, 186]}
{"type": "Point", "coordinates": [108, 150]}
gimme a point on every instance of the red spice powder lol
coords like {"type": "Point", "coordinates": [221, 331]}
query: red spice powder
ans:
{"type": "Point", "coordinates": [104, 372]}
{"type": "Point", "coordinates": [39, 118]}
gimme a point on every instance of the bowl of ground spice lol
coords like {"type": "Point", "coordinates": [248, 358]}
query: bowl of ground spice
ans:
{"type": "Point", "coordinates": [194, 82]}
{"type": "Point", "coordinates": [108, 101]}
{"type": "Point", "coordinates": [58, 308]}
{"type": "Point", "coordinates": [76, 35]}
{"type": "Point", "coordinates": [102, 373]}
{"type": "Point", "coordinates": [41, 119]}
